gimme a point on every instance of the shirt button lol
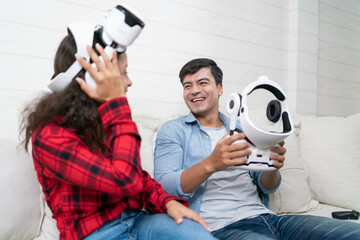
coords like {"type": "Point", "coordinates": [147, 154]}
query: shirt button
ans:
{"type": "Point", "coordinates": [207, 136]}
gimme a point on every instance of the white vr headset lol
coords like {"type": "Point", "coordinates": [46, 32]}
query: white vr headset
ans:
{"type": "Point", "coordinates": [119, 29]}
{"type": "Point", "coordinates": [260, 140]}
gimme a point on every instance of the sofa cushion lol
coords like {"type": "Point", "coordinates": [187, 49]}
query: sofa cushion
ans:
{"type": "Point", "coordinates": [325, 210]}
{"type": "Point", "coordinates": [330, 149]}
{"type": "Point", "coordinates": [148, 126]}
{"type": "Point", "coordinates": [48, 230]}
{"type": "Point", "coordinates": [19, 193]}
{"type": "Point", "coordinates": [293, 195]}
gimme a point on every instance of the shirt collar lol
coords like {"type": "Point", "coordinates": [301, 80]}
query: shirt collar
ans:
{"type": "Point", "coordinates": [190, 118]}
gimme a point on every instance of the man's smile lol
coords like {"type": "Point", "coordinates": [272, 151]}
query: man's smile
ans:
{"type": "Point", "coordinates": [197, 99]}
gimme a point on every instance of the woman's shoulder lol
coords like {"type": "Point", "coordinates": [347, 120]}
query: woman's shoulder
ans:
{"type": "Point", "coordinates": [52, 130]}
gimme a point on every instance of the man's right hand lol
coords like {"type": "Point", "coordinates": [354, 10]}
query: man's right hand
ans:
{"type": "Point", "coordinates": [228, 153]}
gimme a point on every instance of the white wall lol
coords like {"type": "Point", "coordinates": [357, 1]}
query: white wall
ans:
{"type": "Point", "coordinates": [310, 48]}
{"type": "Point", "coordinates": [303, 52]}
{"type": "Point", "coordinates": [339, 57]}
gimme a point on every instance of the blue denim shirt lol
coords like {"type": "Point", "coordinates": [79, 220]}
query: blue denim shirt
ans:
{"type": "Point", "coordinates": [180, 144]}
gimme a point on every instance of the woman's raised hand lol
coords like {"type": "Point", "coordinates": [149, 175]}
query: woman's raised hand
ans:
{"type": "Point", "coordinates": [107, 76]}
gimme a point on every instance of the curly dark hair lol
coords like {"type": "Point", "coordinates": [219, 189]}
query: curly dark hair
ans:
{"type": "Point", "coordinates": [76, 110]}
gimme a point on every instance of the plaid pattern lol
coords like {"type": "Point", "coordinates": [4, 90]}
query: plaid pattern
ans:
{"type": "Point", "coordinates": [84, 189]}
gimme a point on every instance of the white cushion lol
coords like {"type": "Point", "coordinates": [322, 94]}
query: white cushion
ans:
{"type": "Point", "coordinates": [147, 126]}
{"type": "Point", "coordinates": [293, 195]}
{"type": "Point", "coordinates": [49, 230]}
{"type": "Point", "coordinates": [19, 193]}
{"type": "Point", "coordinates": [324, 210]}
{"type": "Point", "coordinates": [330, 149]}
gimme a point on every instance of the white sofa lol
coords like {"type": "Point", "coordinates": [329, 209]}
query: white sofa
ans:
{"type": "Point", "coordinates": [321, 175]}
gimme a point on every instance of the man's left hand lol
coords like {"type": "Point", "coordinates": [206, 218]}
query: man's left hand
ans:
{"type": "Point", "coordinates": [279, 156]}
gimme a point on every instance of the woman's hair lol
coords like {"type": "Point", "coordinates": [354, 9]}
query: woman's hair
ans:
{"type": "Point", "coordinates": [71, 107]}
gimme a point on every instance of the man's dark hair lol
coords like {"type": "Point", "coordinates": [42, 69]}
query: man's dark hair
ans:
{"type": "Point", "coordinates": [196, 64]}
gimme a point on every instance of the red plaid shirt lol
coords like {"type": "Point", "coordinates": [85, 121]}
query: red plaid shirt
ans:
{"type": "Point", "coordinates": [85, 190]}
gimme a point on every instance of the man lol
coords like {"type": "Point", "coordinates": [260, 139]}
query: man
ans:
{"type": "Point", "coordinates": [196, 159]}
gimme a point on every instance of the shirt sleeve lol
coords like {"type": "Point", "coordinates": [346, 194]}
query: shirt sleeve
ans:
{"type": "Point", "coordinates": [256, 176]}
{"type": "Point", "coordinates": [168, 161]}
{"type": "Point", "coordinates": [59, 153]}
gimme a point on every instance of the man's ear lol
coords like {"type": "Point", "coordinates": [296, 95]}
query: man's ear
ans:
{"type": "Point", "coordinates": [220, 87]}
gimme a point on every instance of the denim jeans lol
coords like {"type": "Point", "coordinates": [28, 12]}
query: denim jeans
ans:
{"type": "Point", "coordinates": [143, 226]}
{"type": "Point", "coordinates": [270, 226]}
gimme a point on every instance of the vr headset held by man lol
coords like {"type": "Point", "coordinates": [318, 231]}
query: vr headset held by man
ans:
{"type": "Point", "coordinates": [260, 140]}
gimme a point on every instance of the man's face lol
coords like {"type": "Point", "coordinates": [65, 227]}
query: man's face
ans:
{"type": "Point", "coordinates": [201, 94]}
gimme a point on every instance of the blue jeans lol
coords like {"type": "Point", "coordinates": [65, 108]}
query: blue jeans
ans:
{"type": "Point", "coordinates": [270, 226]}
{"type": "Point", "coordinates": [141, 225]}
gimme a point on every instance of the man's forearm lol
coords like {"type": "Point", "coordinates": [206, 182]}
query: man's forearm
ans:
{"type": "Point", "coordinates": [270, 179]}
{"type": "Point", "coordinates": [194, 176]}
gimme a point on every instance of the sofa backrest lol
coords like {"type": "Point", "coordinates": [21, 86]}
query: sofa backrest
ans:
{"type": "Point", "coordinates": [330, 147]}
{"type": "Point", "coordinates": [20, 198]}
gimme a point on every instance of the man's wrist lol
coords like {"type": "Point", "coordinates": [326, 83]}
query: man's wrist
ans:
{"type": "Point", "coordinates": [272, 174]}
{"type": "Point", "coordinates": [208, 166]}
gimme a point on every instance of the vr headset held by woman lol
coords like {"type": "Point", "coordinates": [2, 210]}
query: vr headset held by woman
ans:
{"type": "Point", "coordinates": [118, 30]}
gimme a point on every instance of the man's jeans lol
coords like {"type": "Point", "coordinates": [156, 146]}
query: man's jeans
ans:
{"type": "Point", "coordinates": [270, 226]}
{"type": "Point", "coordinates": [141, 225]}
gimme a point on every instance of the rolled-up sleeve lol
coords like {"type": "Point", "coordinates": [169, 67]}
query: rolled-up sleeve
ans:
{"type": "Point", "coordinates": [168, 160]}
{"type": "Point", "coordinates": [256, 176]}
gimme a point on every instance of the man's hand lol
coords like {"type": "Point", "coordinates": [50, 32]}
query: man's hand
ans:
{"type": "Point", "coordinates": [227, 153]}
{"type": "Point", "coordinates": [271, 179]}
{"type": "Point", "coordinates": [224, 155]}
{"type": "Point", "coordinates": [178, 211]}
{"type": "Point", "coordinates": [279, 156]}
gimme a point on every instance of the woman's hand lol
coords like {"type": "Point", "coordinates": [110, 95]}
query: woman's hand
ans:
{"type": "Point", "coordinates": [107, 76]}
{"type": "Point", "coordinates": [177, 211]}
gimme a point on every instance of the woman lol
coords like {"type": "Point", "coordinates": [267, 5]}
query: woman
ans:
{"type": "Point", "coordinates": [85, 148]}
